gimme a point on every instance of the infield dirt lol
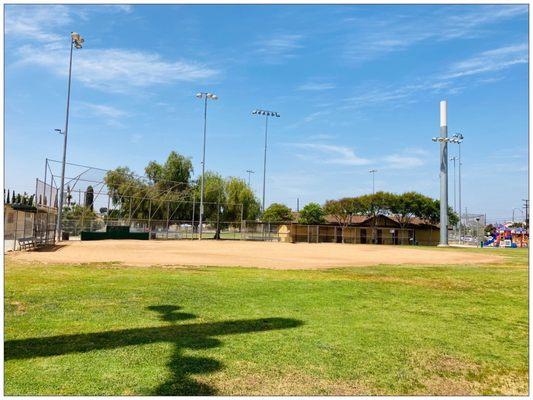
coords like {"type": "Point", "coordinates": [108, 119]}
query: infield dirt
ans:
{"type": "Point", "coordinates": [246, 254]}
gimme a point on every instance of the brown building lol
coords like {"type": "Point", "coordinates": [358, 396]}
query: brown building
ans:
{"type": "Point", "coordinates": [365, 230]}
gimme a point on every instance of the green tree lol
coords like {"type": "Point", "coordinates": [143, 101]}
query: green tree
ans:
{"type": "Point", "coordinates": [277, 212]}
{"type": "Point", "coordinates": [312, 214]}
{"type": "Point", "coordinates": [405, 207]}
{"type": "Point", "coordinates": [174, 174]}
{"type": "Point", "coordinates": [375, 204]}
{"type": "Point", "coordinates": [239, 193]}
{"type": "Point", "coordinates": [89, 197]}
{"type": "Point", "coordinates": [453, 218]}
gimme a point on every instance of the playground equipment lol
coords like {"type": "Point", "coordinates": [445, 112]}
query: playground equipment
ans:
{"type": "Point", "coordinates": [503, 236]}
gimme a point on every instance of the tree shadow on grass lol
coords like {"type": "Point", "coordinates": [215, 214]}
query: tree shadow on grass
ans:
{"type": "Point", "coordinates": [183, 336]}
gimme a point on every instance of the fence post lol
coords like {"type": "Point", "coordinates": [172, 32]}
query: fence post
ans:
{"type": "Point", "coordinates": [317, 233]}
{"type": "Point", "coordinates": [192, 223]}
{"type": "Point", "coordinates": [15, 231]}
{"type": "Point", "coordinates": [168, 215]}
{"type": "Point", "coordinates": [149, 219]}
{"type": "Point", "coordinates": [242, 220]}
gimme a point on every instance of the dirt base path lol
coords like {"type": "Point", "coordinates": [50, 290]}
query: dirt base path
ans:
{"type": "Point", "coordinates": [245, 254]}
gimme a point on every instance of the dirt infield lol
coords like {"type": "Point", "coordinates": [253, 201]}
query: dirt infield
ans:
{"type": "Point", "coordinates": [245, 254]}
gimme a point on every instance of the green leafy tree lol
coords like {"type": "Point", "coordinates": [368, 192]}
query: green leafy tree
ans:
{"type": "Point", "coordinates": [312, 214]}
{"type": "Point", "coordinates": [277, 212]}
{"type": "Point", "coordinates": [174, 174]}
{"type": "Point", "coordinates": [405, 207]}
{"type": "Point", "coordinates": [89, 197]}
{"type": "Point", "coordinates": [375, 204]}
{"type": "Point", "coordinates": [239, 193]}
{"type": "Point", "coordinates": [453, 218]}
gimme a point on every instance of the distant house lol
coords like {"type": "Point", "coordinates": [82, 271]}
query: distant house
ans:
{"type": "Point", "coordinates": [366, 230]}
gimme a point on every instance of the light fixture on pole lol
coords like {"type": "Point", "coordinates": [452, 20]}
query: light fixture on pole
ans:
{"type": "Point", "coordinates": [266, 114]}
{"type": "Point", "coordinates": [249, 172]}
{"type": "Point", "coordinates": [75, 41]}
{"type": "Point", "coordinates": [205, 96]}
{"type": "Point", "coordinates": [373, 172]}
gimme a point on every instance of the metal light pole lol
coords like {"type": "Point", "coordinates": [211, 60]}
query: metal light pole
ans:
{"type": "Point", "coordinates": [249, 172]}
{"type": "Point", "coordinates": [521, 212]}
{"type": "Point", "coordinates": [373, 172]}
{"type": "Point", "coordinates": [75, 41]}
{"type": "Point", "coordinates": [454, 184]}
{"type": "Point", "coordinates": [266, 114]}
{"type": "Point", "coordinates": [205, 96]}
{"type": "Point", "coordinates": [458, 139]}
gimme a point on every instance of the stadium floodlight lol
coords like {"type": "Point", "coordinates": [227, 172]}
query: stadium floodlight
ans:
{"type": "Point", "coordinates": [205, 96]}
{"type": "Point", "coordinates": [75, 41]}
{"type": "Point", "coordinates": [458, 138]}
{"type": "Point", "coordinates": [373, 172]}
{"type": "Point", "coordinates": [266, 114]}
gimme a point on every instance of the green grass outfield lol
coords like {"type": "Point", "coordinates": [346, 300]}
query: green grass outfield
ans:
{"type": "Point", "coordinates": [111, 330]}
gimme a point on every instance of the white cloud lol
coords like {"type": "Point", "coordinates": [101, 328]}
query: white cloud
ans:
{"type": "Point", "coordinates": [315, 86]}
{"type": "Point", "coordinates": [398, 161]}
{"type": "Point", "coordinates": [375, 38]}
{"type": "Point", "coordinates": [36, 22]}
{"type": "Point", "coordinates": [321, 136]}
{"type": "Point", "coordinates": [456, 78]}
{"type": "Point", "coordinates": [101, 110]}
{"type": "Point", "coordinates": [331, 154]}
{"type": "Point", "coordinates": [489, 61]}
{"type": "Point", "coordinates": [116, 70]}
{"type": "Point", "coordinates": [280, 47]}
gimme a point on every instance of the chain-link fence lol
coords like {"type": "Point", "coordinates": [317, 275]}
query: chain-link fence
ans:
{"type": "Point", "coordinates": [471, 231]}
{"type": "Point", "coordinates": [36, 226]}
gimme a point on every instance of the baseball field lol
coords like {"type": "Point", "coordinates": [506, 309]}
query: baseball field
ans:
{"type": "Point", "coordinates": [170, 317]}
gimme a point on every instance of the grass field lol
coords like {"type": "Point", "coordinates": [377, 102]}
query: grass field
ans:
{"type": "Point", "coordinates": [105, 329]}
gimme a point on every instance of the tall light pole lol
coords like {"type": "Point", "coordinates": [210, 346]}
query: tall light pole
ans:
{"type": "Point", "coordinates": [75, 41]}
{"type": "Point", "coordinates": [521, 212]}
{"type": "Point", "coordinates": [458, 139]}
{"type": "Point", "coordinates": [205, 96]}
{"type": "Point", "coordinates": [266, 114]}
{"type": "Point", "coordinates": [454, 184]}
{"type": "Point", "coordinates": [373, 172]}
{"type": "Point", "coordinates": [249, 172]}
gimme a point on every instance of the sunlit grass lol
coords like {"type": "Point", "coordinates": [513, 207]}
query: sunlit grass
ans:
{"type": "Point", "coordinates": [106, 329]}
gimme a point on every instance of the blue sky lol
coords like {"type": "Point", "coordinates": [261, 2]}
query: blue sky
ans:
{"type": "Point", "coordinates": [357, 87]}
